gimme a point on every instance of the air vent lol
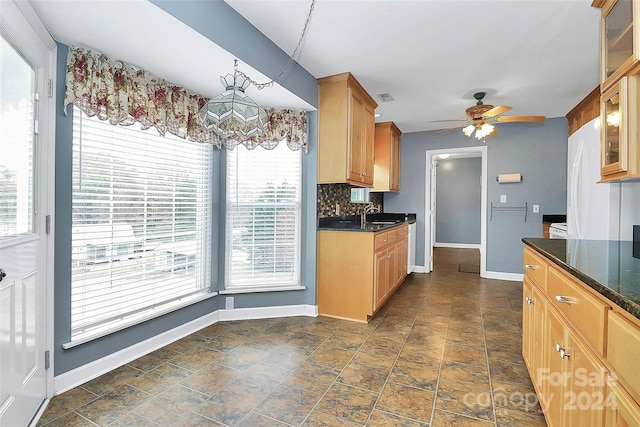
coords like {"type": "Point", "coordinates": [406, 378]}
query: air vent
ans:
{"type": "Point", "coordinates": [385, 97]}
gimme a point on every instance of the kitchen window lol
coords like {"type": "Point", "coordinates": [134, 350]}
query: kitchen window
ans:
{"type": "Point", "coordinates": [141, 225]}
{"type": "Point", "coordinates": [263, 219]}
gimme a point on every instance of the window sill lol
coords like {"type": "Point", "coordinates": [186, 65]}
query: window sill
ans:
{"type": "Point", "coordinates": [249, 290]}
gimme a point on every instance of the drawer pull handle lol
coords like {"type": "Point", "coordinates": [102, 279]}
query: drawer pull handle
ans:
{"type": "Point", "coordinates": [389, 256]}
{"type": "Point", "coordinates": [563, 300]}
{"type": "Point", "coordinates": [383, 241]}
{"type": "Point", "coordinates": [529, 300]}
{"type": "Point", "coordinates": [532, 267]}
{"type": "Point", "coordinates": [559, 347]}
{"type": "Point", "coordinates": [563, 353]}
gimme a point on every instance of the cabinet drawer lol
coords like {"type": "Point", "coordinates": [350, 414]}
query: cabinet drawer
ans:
{"type": "Point", "coordinates": [381, 240]}
{"type": "Point", "coordinates": [623, 350]}
{"type": "Point", "coordinates": [394, 235]}
{"type": "Point", "coordinates": [586, 313]}
{"type": "Point", "coordinates": [535, 267]}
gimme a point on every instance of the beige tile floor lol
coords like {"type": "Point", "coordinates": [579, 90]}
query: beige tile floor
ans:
{"type": "Point", "coordinates": [443, 351]}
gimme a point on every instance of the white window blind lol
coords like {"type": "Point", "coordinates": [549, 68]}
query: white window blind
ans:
{"type": "Point", "coordinates": [141, 234]}
{"type": "Point", "coordinates": [263, 218]}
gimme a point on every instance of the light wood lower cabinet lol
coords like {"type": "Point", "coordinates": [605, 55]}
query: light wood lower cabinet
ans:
{"type": "Point", "coordinates": [624, 411]}
{"type": "Point", "coordinates": [358, 271]}
{"type": "Point", "coordinates": [534, 330]}
{"type": "Point", "coordinates": [582, 353]}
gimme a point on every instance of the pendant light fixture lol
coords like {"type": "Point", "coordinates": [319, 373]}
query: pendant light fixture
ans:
{"type": "Point", "coordinates": [232, 115]}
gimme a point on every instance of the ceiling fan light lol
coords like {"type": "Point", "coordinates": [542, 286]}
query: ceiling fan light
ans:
{"type": "Point", "coordinates": [468, 130]}
{"type": "Point", "coordinates": [487, 128]}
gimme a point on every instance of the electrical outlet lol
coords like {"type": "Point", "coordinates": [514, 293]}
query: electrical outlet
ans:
{"type": "Point", "coordinates": [228, 303]}
{"type": "Point", "coordinates": [536, 208]}
{"type": "Point", "coordinates": [337, 208]}
{"type": "Point", "coordinates": [503, 198]}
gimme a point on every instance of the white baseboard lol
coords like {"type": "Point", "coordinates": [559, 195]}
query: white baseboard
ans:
{"type": "Point", "coordinates": [513, 277]}
{"type": "Point", "coordinates": [268, 312]}
{"type": "Point", "coordinates": [419, 269]}
{"type": "Point", "coordinates": [81, 375]}
{"type": "Point", "coordinates": [457, 245]}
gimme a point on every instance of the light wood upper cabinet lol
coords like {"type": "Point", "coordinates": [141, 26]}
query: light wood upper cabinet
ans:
{"type": "Point", "coordinates": [620, 139]}
{"type": "Point", "coordinates": [619, 38]}
{"type": "Point", "coordinates": [387, 157]}
{"type": "Point", "coordinates": [346, 127]}
{"type": "Point", "coordinates": [620, 62]}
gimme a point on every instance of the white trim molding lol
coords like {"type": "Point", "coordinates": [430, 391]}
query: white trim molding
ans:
{"type": "Point", "coordinates": [457, 245]}
{"type": "Point", "coordinates": [498, 275]}
{"type": "Point", "coordinates": [268, 312]}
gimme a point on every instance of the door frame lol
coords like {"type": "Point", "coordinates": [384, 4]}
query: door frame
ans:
{"type": "Point", "coordinates": [430, 214]}
{"type": "Point", "coordinates": [20, 21]}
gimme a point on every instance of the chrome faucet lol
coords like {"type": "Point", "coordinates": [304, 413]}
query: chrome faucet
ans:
{"type": "Point", "coordinates": [368, 208]}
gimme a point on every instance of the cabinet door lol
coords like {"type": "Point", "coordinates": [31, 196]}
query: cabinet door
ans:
{"type": "Point", "coordinates": [554, 377]}
{"type": "Point", "coordinates": [397, 268]}
{"type": "Point", "coordinates": [381, 285]}
{"type": "Point", "coordinates": [539, 333]}
{"type": "Point", "coordinates": [533, 332]}
{"type": "Point", "coordinates": [586, 399]}
{"type": "Point", "coordinates": [622, 410]}
{"type": "Point", "coordinates": [614, 123]}
{"type": "Point", "coordinates": [527, 325]}
{"type": "Point", "coordinates": [619, 53]}
{"type": "Point", "coordinates": [369, 142]}
{"type": "Point", "coordinates": [356, 139]}
{"type": "Point", "coordinates": [394, 166]}
{"type": "Point", "coordinates": [404, 253]}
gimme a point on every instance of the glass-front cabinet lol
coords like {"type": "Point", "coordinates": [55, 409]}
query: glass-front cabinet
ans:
{"type": "Point", "coordinates": [613, 123]}
{"type": "Point", "coordinates": [619, 89]}
{"type": "Point", "coordinates": [620, 148]}
{"type": "Point", "coordinates": [619, 38]}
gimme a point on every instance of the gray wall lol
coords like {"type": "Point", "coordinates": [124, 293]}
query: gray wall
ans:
{"type": "Point", "coordinates": [458, 200]}
{"type": "Point", "coordinates": [536, 150]}
{"type": "Point", "coordinates": [211, 18]}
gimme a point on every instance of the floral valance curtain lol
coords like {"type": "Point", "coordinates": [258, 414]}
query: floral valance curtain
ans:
{"type": "Point", "coordinates": [115, 91]}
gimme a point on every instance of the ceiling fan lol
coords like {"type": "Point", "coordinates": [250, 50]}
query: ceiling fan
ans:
{"type": "Point", "coordinates": [483, 117]}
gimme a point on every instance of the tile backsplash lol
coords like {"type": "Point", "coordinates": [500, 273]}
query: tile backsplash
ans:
{"type": "Point", "coordinates": [331, 194]}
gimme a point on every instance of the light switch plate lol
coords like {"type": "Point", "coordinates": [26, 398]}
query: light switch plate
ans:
{"type": "Point", "coordinates": [503, 198]}
{"type": "Point", "coordinates": [228, 303]}
{"type": "Point", "coordinates": [536, 208]}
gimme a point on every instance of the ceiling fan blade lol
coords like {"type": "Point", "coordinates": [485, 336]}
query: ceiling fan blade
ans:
{"type": "Point", "coordinates": [450, 120]}
{"type": "Point", "coordinates": [511, 119]}
{"type": "Point", "coordinates": [449, 129]}
{"type": "Point", "coordinates": [497, 110]}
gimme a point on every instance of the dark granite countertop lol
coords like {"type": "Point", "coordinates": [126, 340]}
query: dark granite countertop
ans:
{"type": "Point", "coordinates": [550, 219]}
{"type": "Point", "coordinates": [607, 266]}
{"type": "Point", "coordinates": [375, 222]}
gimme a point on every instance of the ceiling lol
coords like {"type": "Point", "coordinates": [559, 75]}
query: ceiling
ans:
{"type": "Point", "coordinates": [539, 56]}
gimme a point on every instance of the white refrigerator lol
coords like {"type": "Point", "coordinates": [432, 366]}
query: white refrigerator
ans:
{"type": "Point", "coordinates": [593, 209]}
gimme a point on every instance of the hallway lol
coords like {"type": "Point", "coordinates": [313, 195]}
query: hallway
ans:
{"type": "Point", "coordinates": [445, 350]}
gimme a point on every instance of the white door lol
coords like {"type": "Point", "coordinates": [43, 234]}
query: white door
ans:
{"type": "Point", "coordinates": [25, 64]}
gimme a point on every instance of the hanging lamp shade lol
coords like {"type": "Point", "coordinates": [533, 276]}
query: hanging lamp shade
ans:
{"type": "Point", "coordinates": [232, 114]}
